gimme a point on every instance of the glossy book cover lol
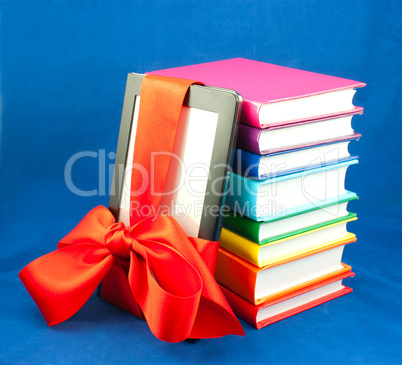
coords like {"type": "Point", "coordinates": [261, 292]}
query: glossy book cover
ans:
{"type": "Point", "coordinates": [288, 245]}
{"type": "Point", "coordinates": [249, 136]}
{"type": "Point", "coordinates": [265, 200]}
{"type": "Point", "coordinates": [254, 166]}
{"type": "Point", "coordinates": [263, 83]}
{"type": "Point", "coordinates": [253, 315]}
{"type": "Point", "coordinates": [242, 277]}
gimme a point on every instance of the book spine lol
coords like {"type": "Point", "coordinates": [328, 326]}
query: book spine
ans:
{"type": "Point", "coordinates": [250, 113]}
{"type": "Point", "coordinates": [243, 226]}
{"type": "Point", "coordinates": [240, 246]}
{"type": "Point", "coordinates": [246, 163]}
{"type": "Point", "coordinates": [233, 273]}
{"type": "Point", "coordinates": [242, 196]}
{"type": "Point", "coordinates": [248, 138]}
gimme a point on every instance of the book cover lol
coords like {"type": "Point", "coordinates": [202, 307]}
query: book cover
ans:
{"type": "Point", "coordinates": [264, 200]}
{"type": "Point", "coordinates": [262, 83]}
{"type": "Point", "coordinates": [250, 229]}
{"type": "Point", "coordinates": [290, 246]}
{"type": "Point", "coordinates": [242, 277]}
{"type": "Point", "coordinates": [253, 165]}
{"type": "Point", "coordinates": [249, 136]}
{"type": "Point", "coordinates": [252, 313]}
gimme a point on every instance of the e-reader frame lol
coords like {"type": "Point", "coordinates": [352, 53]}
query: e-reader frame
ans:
{"type": "Point", "coordinates": [227, 104]}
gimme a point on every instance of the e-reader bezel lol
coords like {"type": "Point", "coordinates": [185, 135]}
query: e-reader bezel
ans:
{"type": "Point", "coordinates": [227, 104]}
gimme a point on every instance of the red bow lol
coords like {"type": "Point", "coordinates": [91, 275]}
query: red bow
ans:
{"type": "Point", "coordinates": [169, 280]}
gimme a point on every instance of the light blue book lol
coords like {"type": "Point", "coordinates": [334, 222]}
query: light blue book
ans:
{"type": "Point", "coordinates": [277, 197]}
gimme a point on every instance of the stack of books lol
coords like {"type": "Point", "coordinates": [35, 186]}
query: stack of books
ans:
{"type": "Point", "coordinates": [283, 238]}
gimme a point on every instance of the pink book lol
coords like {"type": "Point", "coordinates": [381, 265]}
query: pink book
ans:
{"type": "Point", "coordinates": [275, 95]}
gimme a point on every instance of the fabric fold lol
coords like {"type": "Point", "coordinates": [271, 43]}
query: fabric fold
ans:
{"type": "Point", "coordinates": [170, 283]}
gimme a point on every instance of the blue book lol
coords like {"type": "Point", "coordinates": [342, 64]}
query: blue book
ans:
{"type": "Point", "coordinates": [281, 196]}
{"type": "Point", "coordinates": [281, 163]}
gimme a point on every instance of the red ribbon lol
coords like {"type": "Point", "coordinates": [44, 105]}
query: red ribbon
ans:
{"type": "Point", "coordinates": [169, 276]}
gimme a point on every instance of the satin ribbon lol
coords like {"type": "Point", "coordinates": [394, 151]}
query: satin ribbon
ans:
{"type": "Point", "coordinates": [170, 275]}
{"type": "Point", "coordinates": [161, 103]}
{"type": "Point", "coordinates": [173, 286]}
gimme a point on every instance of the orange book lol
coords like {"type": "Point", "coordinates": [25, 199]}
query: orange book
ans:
{"type": "Point", "coordinates": [282, 307]}
{"type": "Point", "coordinates": [257, 285]}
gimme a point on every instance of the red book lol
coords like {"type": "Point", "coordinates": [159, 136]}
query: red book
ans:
{"type": "Point", "coordinates": [289, 304]}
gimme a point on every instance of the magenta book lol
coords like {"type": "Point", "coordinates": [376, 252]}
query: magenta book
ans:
{"type": "Point", "coordinates": [296, 135]}
{"type": "Point", "coordinates": [275, 95]}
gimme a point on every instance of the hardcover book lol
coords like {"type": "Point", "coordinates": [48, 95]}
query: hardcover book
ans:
{"type": "Point", "coordinates": [259, 284]}
{"type": "Point", "coordinates": [288, 246]}
{"type": "Point", "coordinates": [275, 95]}
{"type": "Point", "coordinates": [285, 195]}
{"type": "Point", "coordinates": [294, 136]}
{"type": "Point", "coordinates": [265, 232]}
{"type": "Point", "coordinates": [274, 310]}
{"type": "Point", "coordinates": [281, 163]}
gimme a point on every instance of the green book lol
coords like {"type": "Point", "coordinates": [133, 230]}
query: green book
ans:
{"type": "Point", "coordinates": [282, 227]}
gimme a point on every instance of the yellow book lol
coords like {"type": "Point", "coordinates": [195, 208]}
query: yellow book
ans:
{"type": "Point", "coordinates": [282, 249]}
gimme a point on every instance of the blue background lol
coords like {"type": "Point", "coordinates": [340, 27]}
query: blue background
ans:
{"type": "Point", "coordinates": [63, 73]}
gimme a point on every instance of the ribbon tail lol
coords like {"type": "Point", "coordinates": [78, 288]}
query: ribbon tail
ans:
{"type": "Point", "coordinates": [168, 290]}
{"type": "Point", "coordinates": [63, 280]}
{"type": "Point", "coordinates": [214, 316]}
{"type": "Point", "coordinates": [214, 313]}
{"type": "Point", "coordinates": [215, 319]}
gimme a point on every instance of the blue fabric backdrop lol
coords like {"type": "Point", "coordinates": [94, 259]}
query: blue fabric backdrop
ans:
{"type": "Point", "coordinates": [63, 73]}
